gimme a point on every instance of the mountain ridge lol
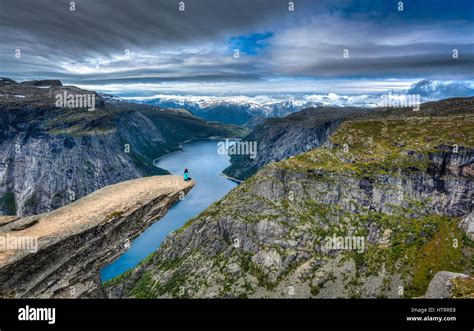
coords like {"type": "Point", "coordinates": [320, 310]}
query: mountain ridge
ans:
{"type": "Point", "coordinates": [280, 138]}
{"type": "Point", "coordinates": [51, 156]}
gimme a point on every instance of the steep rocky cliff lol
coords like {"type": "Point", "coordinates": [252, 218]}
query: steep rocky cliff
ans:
{"type": "Point", "coordinates": [74, 242]}
{"type": "Point", "coordinates": [280, 138]}
{"type": "Point", "coordinates": [51, 156]}
{"type": "Point", "coordinates": [396, 187]}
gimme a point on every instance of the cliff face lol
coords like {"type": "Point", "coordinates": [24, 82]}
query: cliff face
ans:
{"type": "Point", "coordinates": [280, 138]}
{"type": "Point", "coordinates": [390, 191]}
{"type": "Point", "coordinates": [76, 241]}
{"type": "Point", "coordinates": [51, 156]}
{"type": "Point", "coordinates": [47, 171]}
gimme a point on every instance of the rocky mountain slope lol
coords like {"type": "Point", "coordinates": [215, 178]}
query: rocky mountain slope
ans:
{"type": "Point", "coordinates": [400, 188]}
{"type": "Point", "coordinates": [280, 138]}
{"type": "Point", "coordinates": [74, 242]}
{"type": "Point", "coordinates": [51, 156]}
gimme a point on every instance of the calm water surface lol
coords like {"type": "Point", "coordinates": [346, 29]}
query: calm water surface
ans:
{"type": "Point", "coordinates": [205, 166]}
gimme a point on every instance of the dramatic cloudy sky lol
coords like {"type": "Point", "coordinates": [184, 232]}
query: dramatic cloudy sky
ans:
{"type": "Point", "coordinates": [149, 46]}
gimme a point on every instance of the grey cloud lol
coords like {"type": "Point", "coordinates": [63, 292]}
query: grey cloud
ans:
{"type": "Point", "coordinates": [52, 38]}
{"type": "Point", "coordinates": [115, 24]}
{"type": "Point", "coordinates": [430, 65]}
{"type": "Point", "coordinates": [48, 34]}
{"type": "Point", "coordinates": [217, 77]}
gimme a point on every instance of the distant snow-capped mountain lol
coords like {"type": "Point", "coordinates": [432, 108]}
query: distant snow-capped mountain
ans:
{"type": "Point", "coordinates": [251, 110]}
{"type": "Point", "coordinates": [239, 110]}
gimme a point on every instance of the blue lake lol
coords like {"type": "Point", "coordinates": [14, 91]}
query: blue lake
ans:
{"type": "Point", "coordinates": [205, 166]}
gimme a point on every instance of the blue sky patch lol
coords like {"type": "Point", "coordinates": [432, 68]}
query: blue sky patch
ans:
{"type": "Point", "coordinates": [250, 44]}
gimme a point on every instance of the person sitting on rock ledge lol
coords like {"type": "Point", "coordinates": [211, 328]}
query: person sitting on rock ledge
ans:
{"type": "Point", "coordinates": [186, 175]}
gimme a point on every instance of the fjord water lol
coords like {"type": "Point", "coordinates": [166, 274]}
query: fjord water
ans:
{"type": "Point", "coordinates": [205, 166]}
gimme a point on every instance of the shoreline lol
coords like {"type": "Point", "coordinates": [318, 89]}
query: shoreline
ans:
{"type": "Point", "coordinates": [238, 181]}
{"type": "Point", "coordinates": [209, 138]}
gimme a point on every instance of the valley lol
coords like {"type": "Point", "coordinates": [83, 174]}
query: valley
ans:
{"type": "Point", "coordinates": [404, 183]}
{"type": "Point", "coordinates": [396, 183]}
{"type": "Point", "coordinates": [51, 156]}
